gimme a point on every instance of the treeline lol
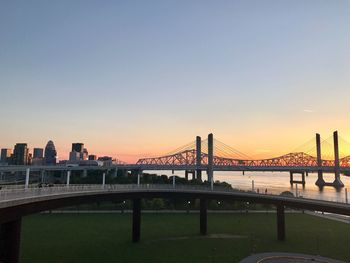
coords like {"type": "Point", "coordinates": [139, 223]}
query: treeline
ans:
{"type": "Point", "coordinates": [95, 177]}
{"type": "Point", "coordinates": [171, 204]}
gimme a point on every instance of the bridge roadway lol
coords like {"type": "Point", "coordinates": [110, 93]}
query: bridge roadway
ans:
{"type": "Point", "coordinates": [16, 203]}
{"type": "Point", "coordinates": [157, 167]}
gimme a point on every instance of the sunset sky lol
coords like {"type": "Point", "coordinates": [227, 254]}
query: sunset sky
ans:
{"type": "Point", "coordinates": [134, 78]}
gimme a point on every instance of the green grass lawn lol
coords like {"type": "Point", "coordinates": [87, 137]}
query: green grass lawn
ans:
{"type": "Point", "coordinates": [174, 237]}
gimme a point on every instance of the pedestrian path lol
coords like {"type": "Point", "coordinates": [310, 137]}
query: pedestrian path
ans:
{"type": "Point", "coordinates": [277, 257]}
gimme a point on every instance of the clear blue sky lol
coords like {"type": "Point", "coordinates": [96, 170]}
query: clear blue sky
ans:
{"type": "Point", "coordinates": [129, 77]}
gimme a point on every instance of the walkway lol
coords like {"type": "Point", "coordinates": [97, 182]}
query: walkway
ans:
{"type": "Point", "coordinates": [277, 257]}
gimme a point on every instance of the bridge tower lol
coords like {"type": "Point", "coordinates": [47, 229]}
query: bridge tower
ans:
{"type": "Point", "coordinates": [210, 157]}
{"type": "Point", "coordinates": [337, 182]}
{"type": "Point", "coordinates": [320, 181]}
{"type": "Point", "coordinates": [199, 157]}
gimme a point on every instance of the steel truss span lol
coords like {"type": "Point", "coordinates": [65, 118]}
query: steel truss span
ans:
{"type": "Point", "coordinates": [188, 157]}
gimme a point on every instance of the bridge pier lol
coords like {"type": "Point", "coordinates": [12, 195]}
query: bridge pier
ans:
{"type": "Point", "coordinates": [292, 181]}
{"type": "Point", "coordinates": [10, 239]}
{"type": "Point", "coordinates": [281, 228]}
{"type": "Point", "coordinates": [203, 216]}
{"type": "Point", "coordinates": [210, 157]}
{"type": "Point", "coordinates": [320, 181]}
{"type": "Point", "coordinates": [136, 220]}
{"type": "Point", "coordinates": [199, 157]}
{"type": "Point", "coordinates": [337, 183]}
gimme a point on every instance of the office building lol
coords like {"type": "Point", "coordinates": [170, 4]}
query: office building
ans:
{"type": "Point", "coordinates": [92, 157]}
{"type": "Point", "coordinates": [77, 147]}
{"type": "Point", "coordinates": [38, 153]}
{"type": "Point", "coordinates": [5, 156]}
{"type": "Point", "coordinates": [20, 154]}
{"type": "Point", "coordinates": [50, 153]}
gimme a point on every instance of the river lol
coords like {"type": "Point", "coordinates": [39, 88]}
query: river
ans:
{"type": "Point", "coordinates": [277, 182]}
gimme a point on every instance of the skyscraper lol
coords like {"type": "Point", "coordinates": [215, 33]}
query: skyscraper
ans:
{"type": "Point", "coordinates": [5, 155]}
{"type": "Point", "coordinates": [38, 153]}
{"type": "Point", "coordinates": [50, 153]}
{"type": "Point", "coordinates": [38, 156]}
{"type": "Point", "coordinates": [77, 147]}
{"type": "Point", "coordinates": [20, 154]}
{"type": "Point", "coordinates": [85, 154]}
{"type": "Point", "coordinates": [78, 152]}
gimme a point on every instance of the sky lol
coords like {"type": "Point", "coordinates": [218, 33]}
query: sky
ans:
{"type": "Point", "coordinates": [138, 78]}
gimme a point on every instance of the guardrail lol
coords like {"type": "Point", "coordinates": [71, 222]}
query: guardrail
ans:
{"type": "Point", "coordinates": [9, 193]}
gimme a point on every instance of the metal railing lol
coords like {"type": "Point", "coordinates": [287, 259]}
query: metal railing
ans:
{"type": "Point", "coordinates": [15, 192]}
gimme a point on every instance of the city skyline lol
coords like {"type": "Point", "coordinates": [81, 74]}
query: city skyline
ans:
{"type": "Point", "coordinates": [132, 80]}
{"type": "Point", "coordinates": [308, 147]}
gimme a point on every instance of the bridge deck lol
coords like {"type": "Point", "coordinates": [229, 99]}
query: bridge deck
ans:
{"type": "Point", "coordinates": [18, 197]}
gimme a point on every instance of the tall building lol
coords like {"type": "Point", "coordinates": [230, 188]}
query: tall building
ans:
{"type": "Point", "coordinates": [38, 156]}
{"type": "Point", "coordinates": [107, 161]}
{"type": "Point", "coordinates": [85, 155]}
{"type": "Point", "coordinates": [74, 156]}
{"type": "Point", "coordinates": [92, 157]}
{"type": "Point", "coordinates": [50, 153]}
{"type": "Point", "coordinates": [78, 153]}
{"type": "Point", "coordinates": [20, 154]}
{"type": "Point", "coordinates": [38, 153]}
{"type": "Point", "coordinates": [5, 155]}
{"type": "Point", "coordinates": [77, 147]}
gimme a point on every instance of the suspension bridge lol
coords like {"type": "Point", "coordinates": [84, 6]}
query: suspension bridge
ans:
{"type": "Point", "coordinates": [211, 155]}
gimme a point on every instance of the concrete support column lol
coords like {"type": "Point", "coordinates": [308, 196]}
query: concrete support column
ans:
{"type": "Point", "coordinates": [115, 173]}
{"type": "Point", "coordinates": [10, 239]}
{"type": "Point", "coordinates": [186, 175]}
{"type": "Point", "coordinates": [203, 216]}
{"type": "Point", "coordinates": [136, 220]}
{"type": "Point", "coordinates": [320, 181]}
{"type": "Point", "coordinates": [68, 177]}
{"type": "Point", "coordinates": [292, 181]}
{"type": "Point", "coordinates": [210, 157]}
{"type": "Point", "coordinates": [174, 178]}
{"type": "Point", "coordinates": [27, 177]}
{"type": "Point", "coordinates": [337, 182]}
{"type": "Point", "coordinates": [139, 177]}
{"type": "Point", "coordinates": [281, 231]}
{"type": "Point", "coordinates": [85, 173]}
{"type": "Point", "coordinates": [303, 179]}
{"type": "Point", "coordinates": [199, 157]}
{"type": "Point", "coordinates": [103, 179]}
{"type": "Point", "coordinates": [42, 176]}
